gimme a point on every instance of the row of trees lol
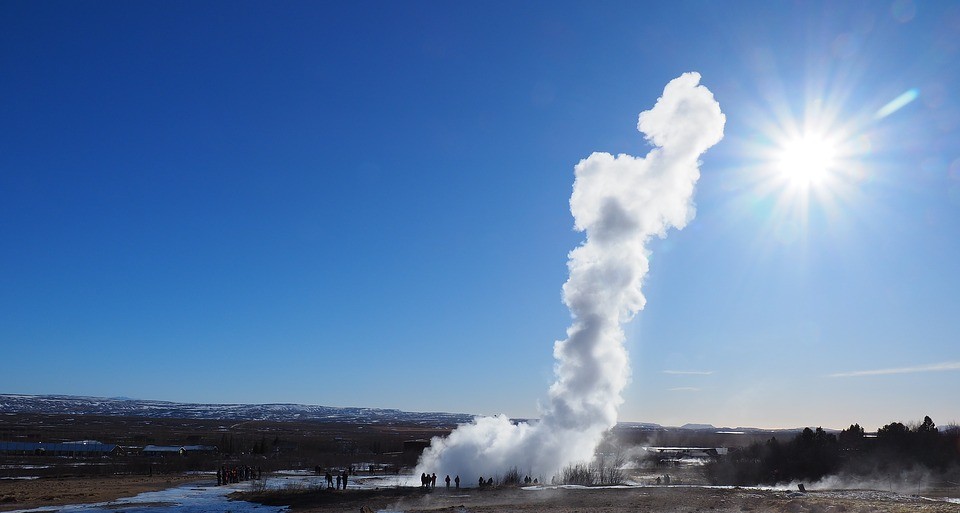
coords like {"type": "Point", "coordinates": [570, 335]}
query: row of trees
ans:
{"type": "Point", "coordinates": [813, 454]}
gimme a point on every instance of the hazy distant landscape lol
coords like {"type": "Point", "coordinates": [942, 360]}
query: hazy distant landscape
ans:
{"type": "Point", "coordinates": [277, 437]}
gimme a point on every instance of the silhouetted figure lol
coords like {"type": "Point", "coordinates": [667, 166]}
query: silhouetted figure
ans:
{"type": "Point", "coordinates": [658, 479]}
{"type": "Point", "coordinates": [447, 480]}
{"type": "Point", "coordinates": [329, 480]}
{"type": "Point", "coordinates": [345, 475]}
{"type": "Point", "coordinates": [456, 480]}
{"type": "Point", "coordinates": [536, 481]}
{"type": "Point", "coordinates": [423, 480]}
{"type": "Point", "coordinates": [481, 481]}
{"type": "Point", "coordinates": [433, 480]}
{"type": "Point", "coordinates": [338, 481]}
{"type": "Point", "coordinates": [219, 478]}
{"type": "Point", "coordinates": [490, 482]}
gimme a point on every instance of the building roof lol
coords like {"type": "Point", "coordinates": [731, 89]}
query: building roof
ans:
{"type": "Point", "coordinates": [189, 448]}
{"type": "Point", "coordinates": [178, 448]}
{"type": "Point", "coordinates": [162, 448]}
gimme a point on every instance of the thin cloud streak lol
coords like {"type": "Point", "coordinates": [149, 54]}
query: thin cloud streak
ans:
{"type": "Point", "coordinates": [936, 367]}
{"type": "Point", "coordinates": [683, 389]}
{"type": "Point", "coordinates": [688, 373]}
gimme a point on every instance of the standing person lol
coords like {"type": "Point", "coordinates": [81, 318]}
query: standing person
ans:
{"type": "Point", "coordinates": [433, 481]}
{"type": "Point", "coordinates": [447, 480]}
{"type": "Point", "coordinates": [481, 481]}
{"type": "Point", "coordinates": [219, 479]}
{"type": "Point", "coordinates": [345, 474]}
{"type": "Point", "coordinates": [456, 481]}
{"type": "Point", "coordinates": [329, 480]}
{"type": "Point", "coordinates": [338, 481]}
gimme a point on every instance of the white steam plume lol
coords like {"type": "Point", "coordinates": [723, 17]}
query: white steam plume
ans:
{"type": "Point", "coordinates": [620, 202]}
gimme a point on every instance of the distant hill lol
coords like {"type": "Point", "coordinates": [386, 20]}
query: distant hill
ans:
{"type": "Point", "coordinates": [78, 405]}
{"type": "Point", "coordinates": [700, 427]}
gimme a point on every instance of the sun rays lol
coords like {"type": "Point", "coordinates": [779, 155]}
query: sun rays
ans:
{"type": "Point", "coordinates": [805, 165]}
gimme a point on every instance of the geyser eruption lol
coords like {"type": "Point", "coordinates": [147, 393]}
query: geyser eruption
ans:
{"type": "Point", "coordinates": [620, 202]}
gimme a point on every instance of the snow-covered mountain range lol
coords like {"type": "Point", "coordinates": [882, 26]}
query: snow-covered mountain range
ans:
{"type": "Point", "coordinates": [78, 405]}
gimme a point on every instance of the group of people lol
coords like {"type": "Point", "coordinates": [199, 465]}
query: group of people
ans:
{"type": "Point", "coordinates": [429, 481]}
{"type": "Point", "coordinates": [236, 474]}
{"type": "Point", "coordinates": [341, 478]}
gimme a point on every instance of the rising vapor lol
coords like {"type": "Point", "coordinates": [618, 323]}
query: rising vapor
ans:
{"type": "Point", "coordinates": [620, 202]}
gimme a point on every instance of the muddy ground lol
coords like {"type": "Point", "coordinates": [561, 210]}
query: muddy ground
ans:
{"type": "Point", "coordinates": [26, 494]}
{"type": "Point", "coordinates": [15, 495]}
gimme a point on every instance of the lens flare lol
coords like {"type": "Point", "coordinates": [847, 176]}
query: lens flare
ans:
{"type": "Point", "coordinates": [897, 103]}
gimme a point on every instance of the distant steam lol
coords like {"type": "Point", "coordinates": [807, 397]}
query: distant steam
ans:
{"type": "Point", "coordinates": [620, 202]}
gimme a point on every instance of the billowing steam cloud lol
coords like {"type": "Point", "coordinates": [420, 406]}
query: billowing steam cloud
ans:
{"type": "Point", "coordinates": [620, 202]}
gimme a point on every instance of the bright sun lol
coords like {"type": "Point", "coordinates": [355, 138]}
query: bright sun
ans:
{"type": "Point", "coordinates": [807, 160]}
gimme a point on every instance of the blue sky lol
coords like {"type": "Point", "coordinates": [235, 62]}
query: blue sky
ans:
{"type": "Point", "coordinates": [366, 204]}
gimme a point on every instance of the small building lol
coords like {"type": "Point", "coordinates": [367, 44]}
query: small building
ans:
{"type": "Point", "coordinates": [132, 450]}
{"type": "Point", "coordinates": [161, 450]}
{"type": "Point", "coordinates": [199, 449]}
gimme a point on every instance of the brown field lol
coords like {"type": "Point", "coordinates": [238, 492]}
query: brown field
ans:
{"type": "Point", "coordinates": [270, 445]}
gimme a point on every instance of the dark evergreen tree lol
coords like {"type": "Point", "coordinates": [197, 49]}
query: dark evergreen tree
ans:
{"type": "Point", "coordinates": [851, 439]}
